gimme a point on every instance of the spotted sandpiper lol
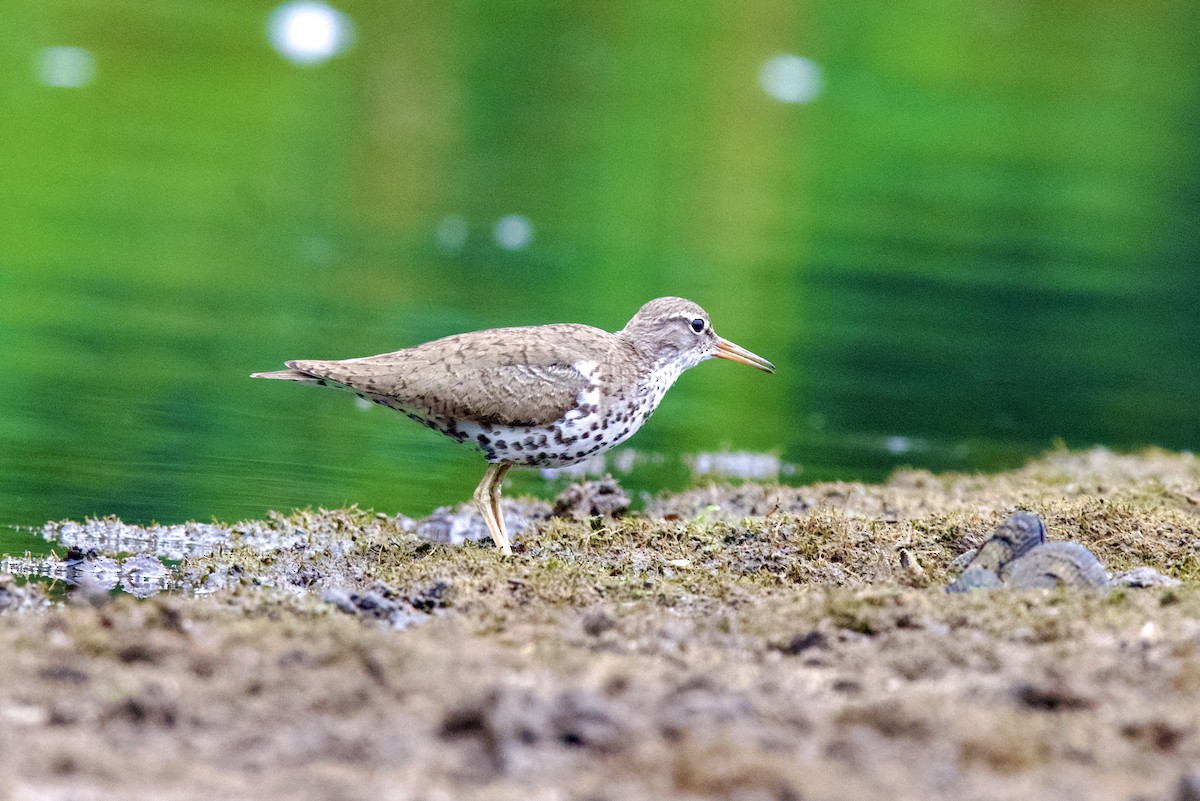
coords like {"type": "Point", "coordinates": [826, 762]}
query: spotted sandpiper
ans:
{"type": "Point", "coordinates": [539, 396]}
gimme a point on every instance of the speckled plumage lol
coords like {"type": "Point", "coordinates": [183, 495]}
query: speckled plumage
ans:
{"type": "Point", "coordinates": [539, 396]}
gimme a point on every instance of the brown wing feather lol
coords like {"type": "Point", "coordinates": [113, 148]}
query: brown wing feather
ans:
{"type": "Point", "coordinates": [517, 376]}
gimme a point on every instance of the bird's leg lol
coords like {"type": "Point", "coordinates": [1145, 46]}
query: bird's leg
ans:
{"type": "Point", "coordinates": [487, 501]}
{"type": "Point", "coordinates": [497, 511]}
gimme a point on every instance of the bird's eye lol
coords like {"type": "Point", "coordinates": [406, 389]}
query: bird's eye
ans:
{"type": "Point", "coordinates": [698, 325]}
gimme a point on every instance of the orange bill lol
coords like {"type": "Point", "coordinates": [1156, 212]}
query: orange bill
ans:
{"type": "Point", "coordinates": [736, 353]}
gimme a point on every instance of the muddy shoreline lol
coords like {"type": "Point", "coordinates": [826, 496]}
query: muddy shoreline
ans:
{"type": "Point", "coordinates": [747, 641]}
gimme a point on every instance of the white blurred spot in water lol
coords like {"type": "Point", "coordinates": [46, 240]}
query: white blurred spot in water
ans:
{"type": "Point", "coordinates": [591, 467]}
{"type": "Point", "coordinates": [315, 249]}
{"type": "Point", "coordinates": [623, 460]}
{"type": "Point", "coordinates": [452, 231]}
{"type": "Point", "coordinates": [307, 32]}
{"type": "Point", "coordinates": [513, 232]}
{"type": "Point", "coordinates": [900, 444]}
{"type": "Point", "coordinates": [741, 464]}
{"type": "Point", "coordinates": [68, 67]}
{"type": "Point", "coordinates": [364, 404]}
{"type": "Point", "coordinates": [791, 79]}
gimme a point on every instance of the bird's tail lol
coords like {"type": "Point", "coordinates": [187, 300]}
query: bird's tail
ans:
{"type": "Point", "coordinates": [290, 375]}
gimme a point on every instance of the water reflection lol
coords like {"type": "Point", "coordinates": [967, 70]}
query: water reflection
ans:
{"type": "Point", "coordinates": [139, 575]}
{"type": "Point", "coordinates": [106, 554]}
{"type": "Point", "coordinates": [112, 536]}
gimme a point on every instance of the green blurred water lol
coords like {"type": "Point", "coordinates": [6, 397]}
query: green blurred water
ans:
{"type": "Point", "coordinates": [977, 235]}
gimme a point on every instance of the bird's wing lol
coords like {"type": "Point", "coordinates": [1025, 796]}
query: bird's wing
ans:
{"type": "Point", "coordinates": [497, 377]}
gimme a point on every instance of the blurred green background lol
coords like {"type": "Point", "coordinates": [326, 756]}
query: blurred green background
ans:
{"type": "Point", "coordinates": [960, 229]}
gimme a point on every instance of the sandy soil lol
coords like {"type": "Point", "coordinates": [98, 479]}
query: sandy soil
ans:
{"type": "Point", "coordinates": [794, 643]}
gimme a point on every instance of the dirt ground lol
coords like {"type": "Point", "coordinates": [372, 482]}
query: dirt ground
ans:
{"type": "Point", "coordinates": [732, 642]}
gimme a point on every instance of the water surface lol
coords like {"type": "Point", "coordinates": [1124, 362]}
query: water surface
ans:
{"type": "Point", "coordinates": [962, 231]}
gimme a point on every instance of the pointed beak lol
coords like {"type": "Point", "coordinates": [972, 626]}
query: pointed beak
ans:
{"type": "Point", "coordinates": [735, 353]}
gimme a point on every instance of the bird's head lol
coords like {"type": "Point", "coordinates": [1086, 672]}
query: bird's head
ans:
{"type": "Point", "coordinates": [678, 331]}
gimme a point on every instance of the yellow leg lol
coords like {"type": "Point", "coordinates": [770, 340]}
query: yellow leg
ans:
{"type": "Point", "coordinates": [498, 512]}
{"type": "Point", "coordinates": [487, 501]}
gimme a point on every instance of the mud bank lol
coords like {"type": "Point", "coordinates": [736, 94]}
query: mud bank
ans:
{"type": "Point", "coordinates": [752, 641]}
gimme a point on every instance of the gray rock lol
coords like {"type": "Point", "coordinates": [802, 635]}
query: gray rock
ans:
{"type": "Point", "coordinates": [975, 578]}
{"type": "Point", "coordinates": [1144, 577]}
{"type": "Point", "coordinates": [1055, 564]}
{"type": "Point", "coordinates": [1017, 556]}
